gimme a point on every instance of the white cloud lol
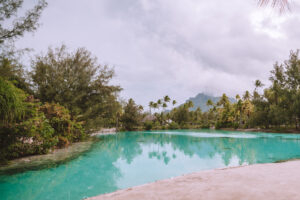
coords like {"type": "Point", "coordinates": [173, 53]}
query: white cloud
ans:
{"type": "Point", "coordinates": [173, 47]}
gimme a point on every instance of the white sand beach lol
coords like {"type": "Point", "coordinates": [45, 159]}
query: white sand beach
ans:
{"type": "Point", "coordinates": [260, 181]}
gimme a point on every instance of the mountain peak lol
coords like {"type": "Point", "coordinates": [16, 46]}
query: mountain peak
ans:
{"type": "Point", "coordinates": [201, 98]}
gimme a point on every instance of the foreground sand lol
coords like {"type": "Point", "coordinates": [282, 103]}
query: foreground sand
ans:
{"type": "Point", "coordinates": [260, 181]}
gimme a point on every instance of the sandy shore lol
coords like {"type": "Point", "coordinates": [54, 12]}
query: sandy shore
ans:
{"type": "Point", "coordinates": [260, 181]}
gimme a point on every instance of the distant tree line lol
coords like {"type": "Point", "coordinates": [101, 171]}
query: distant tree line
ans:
{"type": "Point", "coordinates": [276, 108]}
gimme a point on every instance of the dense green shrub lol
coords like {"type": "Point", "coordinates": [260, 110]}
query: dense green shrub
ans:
{"type": "Point", "coordinates": [156, 125]}
{"type": "Point", "coordinates": [184, 126]}
{"type": "Point", "coordinates": [131, 117]}
{"type": "Point", "coordinates": [173, 125]}
{"type": "Point", "coordinates": [11, 102]}
{"type": "Point", "coordinates": [25, 134]}
{"type": "Point", "coordinates": [148, 125]}
{"type": "Point", "coordinates": [205, 126]}
{"type": "Point", "coordinates": [218, 125]}
{"type": "Point", "coordinates": [236, 125]}
{"type": "Point", "coordinates": [28, 128]}
{"type": "Point", "coordinates": [59, 118]}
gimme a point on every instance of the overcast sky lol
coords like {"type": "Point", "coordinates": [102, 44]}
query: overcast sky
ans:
{"type": "Point", "coordinates": [173, 47]}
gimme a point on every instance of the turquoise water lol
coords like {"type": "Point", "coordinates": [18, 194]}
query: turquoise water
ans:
{"type": "Point", "coordinates": [133, 158]}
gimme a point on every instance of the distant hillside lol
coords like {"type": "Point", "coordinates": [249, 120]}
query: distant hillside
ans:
{"type": "Point", "coordinates": [201, 99]}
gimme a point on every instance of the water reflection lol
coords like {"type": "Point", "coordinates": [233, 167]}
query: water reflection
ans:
{"type": "Point", "coordinates": [133, 158]}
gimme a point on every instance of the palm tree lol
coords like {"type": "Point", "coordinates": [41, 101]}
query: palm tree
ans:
{"type": "Point", "coordinates": [246, 95]}
{"type": "Point", "coordinates": [168, 116]}
{"type": "Point", "coordinates": [141, 107]}
{"type": "Point", "coordinates": [190, 104]}
{"type": "Point", "coordinates": [167, 99]}
{"type": "Point", "coordinates": [151, 103]}
{"type": "Point", "coordinates": [257, 84]}
{"type": "Point", "coordinates": [209, 102]}
{"type": "Point", "coordinates": [159, 102]}
{"type": "Point", "coordinates": [155, 106]}
{"type": "Point", "coordinates": [164, 105]}
{"type": "Point", "coordinates": [174, 102]}
{"type": "Point", "coordinates": [223, 100]}
{"type": "Point", "coordinates": [238, 107]}
{"type": "Point", "coordinates": [197, 115]}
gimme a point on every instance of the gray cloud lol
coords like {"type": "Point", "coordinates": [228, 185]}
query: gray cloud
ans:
{"type": "Point", "coordinates": [173, 47]}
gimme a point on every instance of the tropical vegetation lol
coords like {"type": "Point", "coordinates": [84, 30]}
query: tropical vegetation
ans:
{"type": "Point", "coordinates": [276, 107]}
{"type": "Point", "coordinates": [66, 95]}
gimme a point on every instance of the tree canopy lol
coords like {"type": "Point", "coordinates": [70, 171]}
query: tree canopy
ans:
{"type": "Point", "coordinates": [19, 25]}
{"type": "Point", "coordinates": [76, 81]}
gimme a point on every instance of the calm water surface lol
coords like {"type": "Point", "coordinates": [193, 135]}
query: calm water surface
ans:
{"type": "Point", "coordinates": [133, 158]}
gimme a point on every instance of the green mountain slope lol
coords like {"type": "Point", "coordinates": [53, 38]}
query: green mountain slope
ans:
{"type": "Point", "coordinates": [200, 101]}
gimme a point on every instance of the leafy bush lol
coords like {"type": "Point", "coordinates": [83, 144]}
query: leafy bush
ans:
{"type": "Point", "coordinates": [218, 125]}
{"type": "Point", "coordinates": [184, 126]}
{"type": "Point", "coordinates": [148, 125]}
{"type": "Point", "coordinates": [37, 129]}
{"type": "Point", "coordinates": [60, 119]}
{"type": "Point", "coordinates": [205, 126]}
{"type": "Point", "coordinates": [31, 135]}
{"type": "Point", "coordinates": [156, 125]}
{"type": "Point", "coordinates": [173, 125]}
{"type": "Point", "coordinates": [236, 125]}
{"type": "Point", "coordinates": [63, 141]}
{"type": "Point", "coordinates": [131, 117]}
{"type": "Point", "coordinates": [11, 102]}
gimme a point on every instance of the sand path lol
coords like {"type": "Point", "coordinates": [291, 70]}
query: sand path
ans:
{"type": "Point", "coordinates": [261, 181]}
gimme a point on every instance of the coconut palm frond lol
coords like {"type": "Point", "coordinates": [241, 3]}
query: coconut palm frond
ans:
{"type": "Point", "coordinates": [281, 4]}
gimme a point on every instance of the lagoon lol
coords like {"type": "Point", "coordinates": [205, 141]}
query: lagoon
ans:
{"type": "Point", "coordinates": [133, 158]}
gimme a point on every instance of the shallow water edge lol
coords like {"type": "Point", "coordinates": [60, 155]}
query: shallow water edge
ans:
{"type": "Point", "coordinates": [211, 183]}
{"type": "Point", "coordinates": [56, 157]}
